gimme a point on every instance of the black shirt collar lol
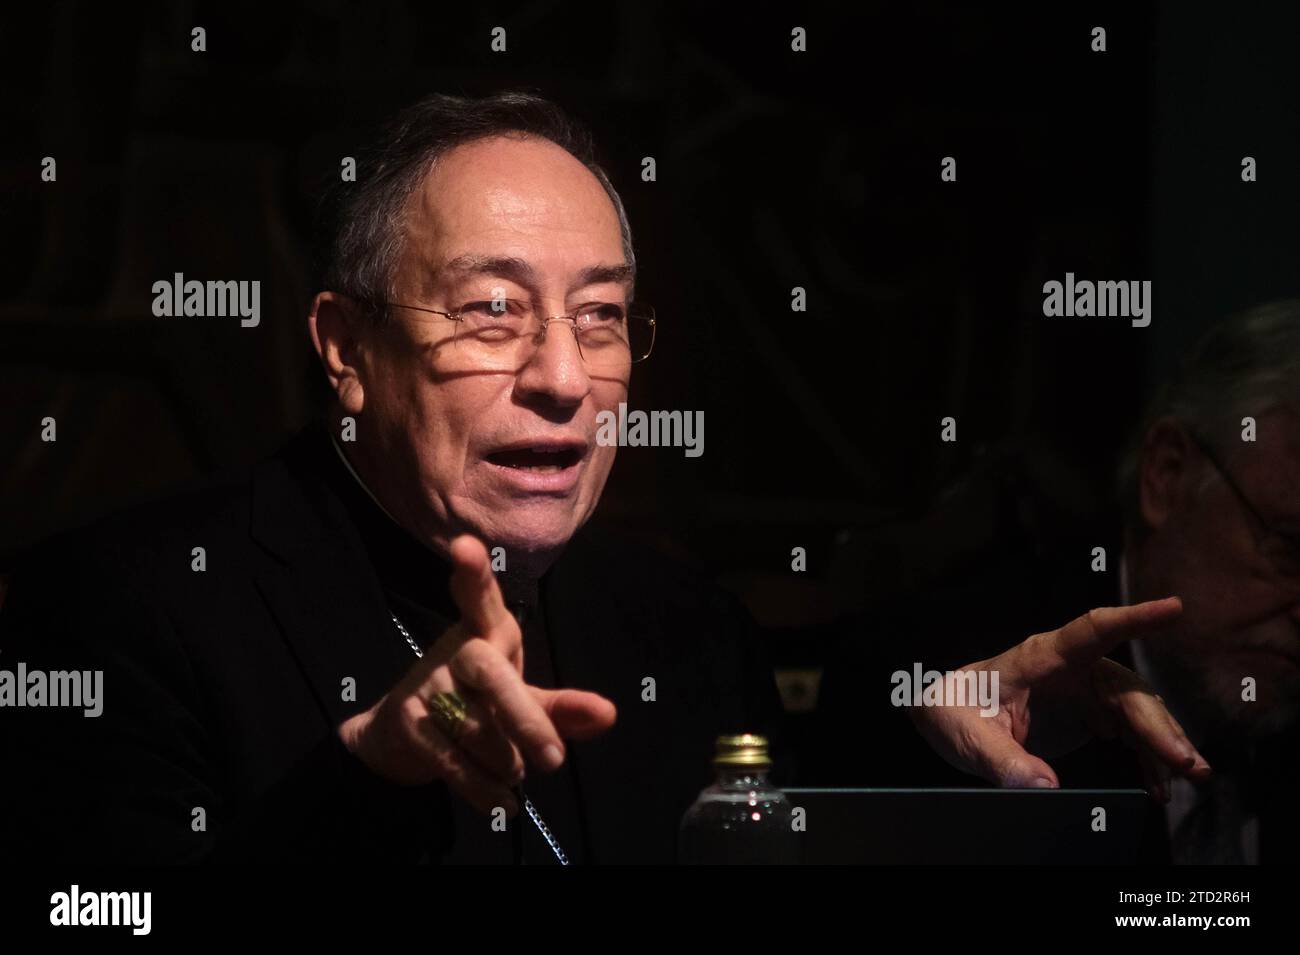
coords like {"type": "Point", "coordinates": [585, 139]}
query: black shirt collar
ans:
{"type": "Point", "coordinates": [404, 565]}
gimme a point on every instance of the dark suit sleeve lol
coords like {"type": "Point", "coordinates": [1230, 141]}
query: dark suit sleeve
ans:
{"type": "Point", "coordinates": [124, 786]}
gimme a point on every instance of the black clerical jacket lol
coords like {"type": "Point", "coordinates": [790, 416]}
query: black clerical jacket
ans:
{"type": "Point", "coordinates": [236, 628]}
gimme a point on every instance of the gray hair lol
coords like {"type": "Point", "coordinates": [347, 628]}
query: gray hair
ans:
{"type": "Point", "coordinates": [1245, 365]}
{"type": "Point", "coordinates": [358, 235]}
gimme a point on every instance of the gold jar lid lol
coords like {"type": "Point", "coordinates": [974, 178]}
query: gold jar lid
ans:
{"type": "Point", "coordinates": [745, 750]}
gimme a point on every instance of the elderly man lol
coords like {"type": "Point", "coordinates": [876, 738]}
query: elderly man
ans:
{"type": "Point", "coordinates": [1213, 516]}
{"type": "Point", "coordinates": [1210, 513]}
{"type": "Point", "coordinates": [397, 641]}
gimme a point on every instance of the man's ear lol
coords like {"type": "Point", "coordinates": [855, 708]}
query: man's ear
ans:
{"type": "Point", "coordinates": [1165, 471]}
{"type": "Point", "coordinates": [336, 326]}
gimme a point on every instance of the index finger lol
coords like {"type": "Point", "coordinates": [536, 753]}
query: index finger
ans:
{"type": "Point", "coordinates": [475, 590]}
{"type": "Point", "coordinates": [1086, 639]}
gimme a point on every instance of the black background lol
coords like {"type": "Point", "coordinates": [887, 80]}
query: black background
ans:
{"type": "Point", "coordinates": [775, 169]}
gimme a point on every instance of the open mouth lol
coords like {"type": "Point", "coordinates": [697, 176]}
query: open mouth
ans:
{"type": "Point", "coordinates": [539, 458]}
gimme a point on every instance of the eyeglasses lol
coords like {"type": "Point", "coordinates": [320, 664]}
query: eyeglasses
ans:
{"type": "Point", "coordinates": [1280, 549]}
{"type": "Point", "coordinates": [506, 333]}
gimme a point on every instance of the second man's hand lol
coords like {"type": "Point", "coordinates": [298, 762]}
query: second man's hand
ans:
{"type": "Point", "coordinates": [1056, 691]}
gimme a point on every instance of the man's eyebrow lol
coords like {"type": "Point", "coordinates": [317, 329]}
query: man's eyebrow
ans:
{"type": "Point", "coordinates": [598, 274]}
{"type": "Point", "coordinates": [506, 266]}
{"type": "Point", "coordinates": [519, 270]}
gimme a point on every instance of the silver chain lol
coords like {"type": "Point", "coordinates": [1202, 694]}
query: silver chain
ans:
{"type": "Point", "coordinates": [533, 814]}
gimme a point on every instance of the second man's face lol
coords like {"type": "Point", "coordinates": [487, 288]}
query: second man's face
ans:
{"type": "Point", "coordinates": [1238, 646]}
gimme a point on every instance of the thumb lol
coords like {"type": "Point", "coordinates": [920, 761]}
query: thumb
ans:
{"type": "Point", "coordinates": [1000, 759]}
{"type": "Point", "coordinates": [577, 714]}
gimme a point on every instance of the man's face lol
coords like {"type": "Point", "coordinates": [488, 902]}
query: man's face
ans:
{"type": "Point", "coordinates": [460, 443]}
{"type": "Point", "coordinates": [1241, 615]}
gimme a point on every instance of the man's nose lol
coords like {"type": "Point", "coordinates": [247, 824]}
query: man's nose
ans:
{"type": "Point", "coordinates": [555, 371]}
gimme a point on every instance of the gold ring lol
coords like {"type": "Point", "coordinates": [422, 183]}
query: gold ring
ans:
{"type": "Point", "coordinates": [449, 711]}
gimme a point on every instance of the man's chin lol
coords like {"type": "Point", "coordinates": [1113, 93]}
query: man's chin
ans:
{"type": "Point", "coordinates": [1258, 722]}
{"type": "Point", "coordinates": [1271, 709]}
{"type": "Point", "coordinates": [527, 542]}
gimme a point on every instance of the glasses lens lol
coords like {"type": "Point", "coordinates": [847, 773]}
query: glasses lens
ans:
{"type": "Point", "coordinates": [641, 330]}
{"type": "Point", "coordinates": [490, 333]}
{"type": "Point", "coordinates": [612, 336]}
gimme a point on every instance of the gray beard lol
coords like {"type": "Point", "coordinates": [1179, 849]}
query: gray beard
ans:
{"type": "Point", "coordinates": [1210, 708]}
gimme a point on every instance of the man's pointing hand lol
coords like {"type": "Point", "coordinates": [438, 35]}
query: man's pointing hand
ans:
{"type": "Point", "coordinates": [507, 722]}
